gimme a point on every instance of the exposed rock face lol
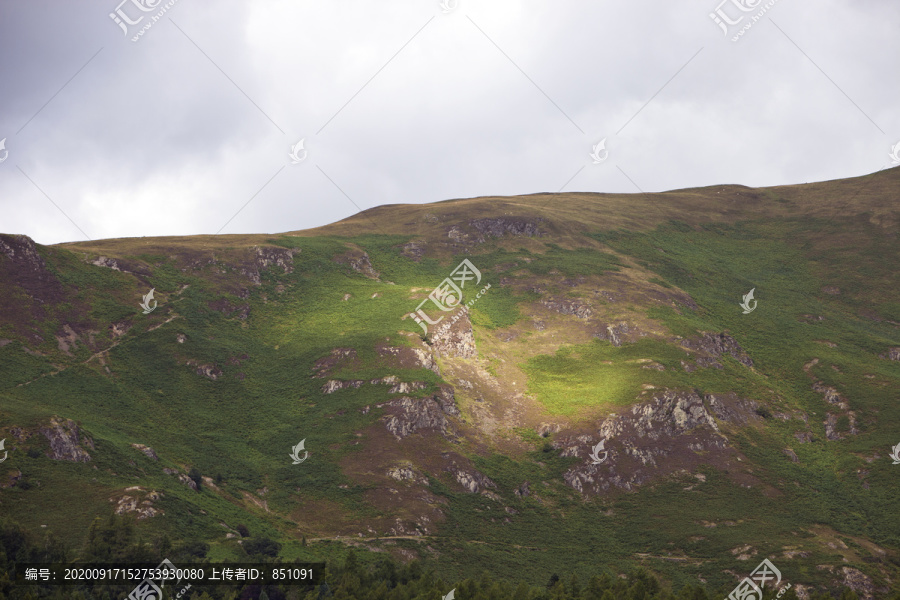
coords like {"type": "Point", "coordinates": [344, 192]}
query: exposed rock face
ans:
{"type": "Point", "coordinates": [409, 415]}
{"type": "Point", "coordinates": [618, 333]}
{"type": "Point", "coordinates": [358, 260]}
{"type": "Point", "coordinates": [500, 226]}
{"type": "Point", "coordinates": [146, 450]}
{"type": "Point", "coordinates": [187, 481]}
{"type": "Point", "coordinates": [209, 371]}
{"type": "Point", "coordinates": [133, 503]}
{"type": "Point", "coordinates": [447, 400]}
{"type": "Point", "coordinates": [267, 257]}
{"type": "Point", "coordinates": [64, 443]}
{"type": "Point", "coordinates": [494, 227]}
{"type": "Point", "coordinates": [109, 263]}
{"type": "Point", "coordinates": [407, 357]}
{"type": "Point", "coordinates": [668, 433]}
{"type": "Point", "coordinates": [455, 338]}
{"type": "Point", "coordinates": [859, 582]}
{"type": "Point", "coordinates": [473, 481]}
{"type": "Point", "coordinates": [831, 395]}
{"type": "Point", "coordinates": [334, 385]}
{"type": "Point", "coordinates": [717, 344]}
{"type": "Point", "coordinates": [891, 354]}
{"type": "Point", "coordinates": [567, 306]}
{"type": "Point", "coordinates": [406, 473]}
{"type": "Point", "coordinates": [545, 429]}
{"type": "Point", "coordinates": [404, 387]}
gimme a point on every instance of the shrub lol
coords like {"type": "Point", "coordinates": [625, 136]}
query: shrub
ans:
{"type": "Point", "coordinates": [262, 546]}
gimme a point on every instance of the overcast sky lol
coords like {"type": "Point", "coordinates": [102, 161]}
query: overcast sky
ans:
{"type": "Point", "coordinates": [189, 129]}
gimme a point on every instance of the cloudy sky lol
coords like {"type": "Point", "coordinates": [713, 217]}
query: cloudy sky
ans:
{"type": "Point", "coordinates": [188, 127]}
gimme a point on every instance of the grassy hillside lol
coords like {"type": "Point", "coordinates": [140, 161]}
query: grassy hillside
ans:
{"type": "Point", "coordinates": [220, 381]}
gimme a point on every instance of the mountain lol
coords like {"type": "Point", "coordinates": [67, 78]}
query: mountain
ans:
{"type": "Point", "coordinates": [593, 398]}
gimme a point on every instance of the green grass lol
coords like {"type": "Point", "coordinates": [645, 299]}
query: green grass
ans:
{"type": "Point", "coordinates": [242, 428]}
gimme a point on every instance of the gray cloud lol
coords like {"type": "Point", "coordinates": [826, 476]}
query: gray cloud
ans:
{"type": "Point", "coordinates": [400, 103]}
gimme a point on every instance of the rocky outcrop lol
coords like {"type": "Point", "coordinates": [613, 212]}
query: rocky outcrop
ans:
{"type": "Point", "coordinates": [265, 258]}
{"type": "Point", "coordinates": [137, 501]}
{"type": "Point", "coordinates": [187, 481]}
{"type": "Point", "coordinates": [406, 473]}
{"type": "Point", "coordinates": [567, 306]}
{"type": "Point", "coordinates": [146, 450]}
{"type": "Point", "coordinates": [334, 385]}
{"type": "Point", "coordinates": [714, 345]}
{"type": "Point", "coordinates": [494, 227]}
{"type": "Point", "coordinates": [500, 226]}
{"type": "Point", "coordinates": [621, 332]}
{"type": "Point", "coordinates": [407, 357]}
{"type": "Point", "coordinates": [455, 337]}
{"type": "Point", "coordinates": [831, 395]}
{"type": "Point", "coordinates": [409, 415]}
{"type": "Point", "coordinates": [472, 481]}
{"type": "Point", "coordinates": [891, 354]}
{"type": "Point", "coordinates": [109, 263]}
{"type": "Point", "coordinates": [209, 371]}
{"type": "Point", "coordinates": [405, 387]}
{"type": "Point", "coordinates": [859, 582]}
{"type": "Point", "coordinates": [358, 260]}
{"type": "Point", "coordinates": [446, 399]}
{"type": "Point", "coordinates": [673, 431]}
{"type": "Point", "coordinates": [64, 441]}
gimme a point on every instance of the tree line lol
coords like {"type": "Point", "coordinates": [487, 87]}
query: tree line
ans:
{"type": "Point", "coordinates": [115, 541]}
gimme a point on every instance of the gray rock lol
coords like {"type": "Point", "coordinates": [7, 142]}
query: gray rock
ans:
{"type": "Point", "coordinates": [455, 338]}
{"type": "Point", "coordinates": [717, 344]}
{"type": "Point", "coordinates": [64, 443]}
{"type": "Point", "coordinates": [567, 306]}
{"type": "Point", "coordinates": [414, 414]}
{"type": "Point", "coordinates": [146, 450]}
